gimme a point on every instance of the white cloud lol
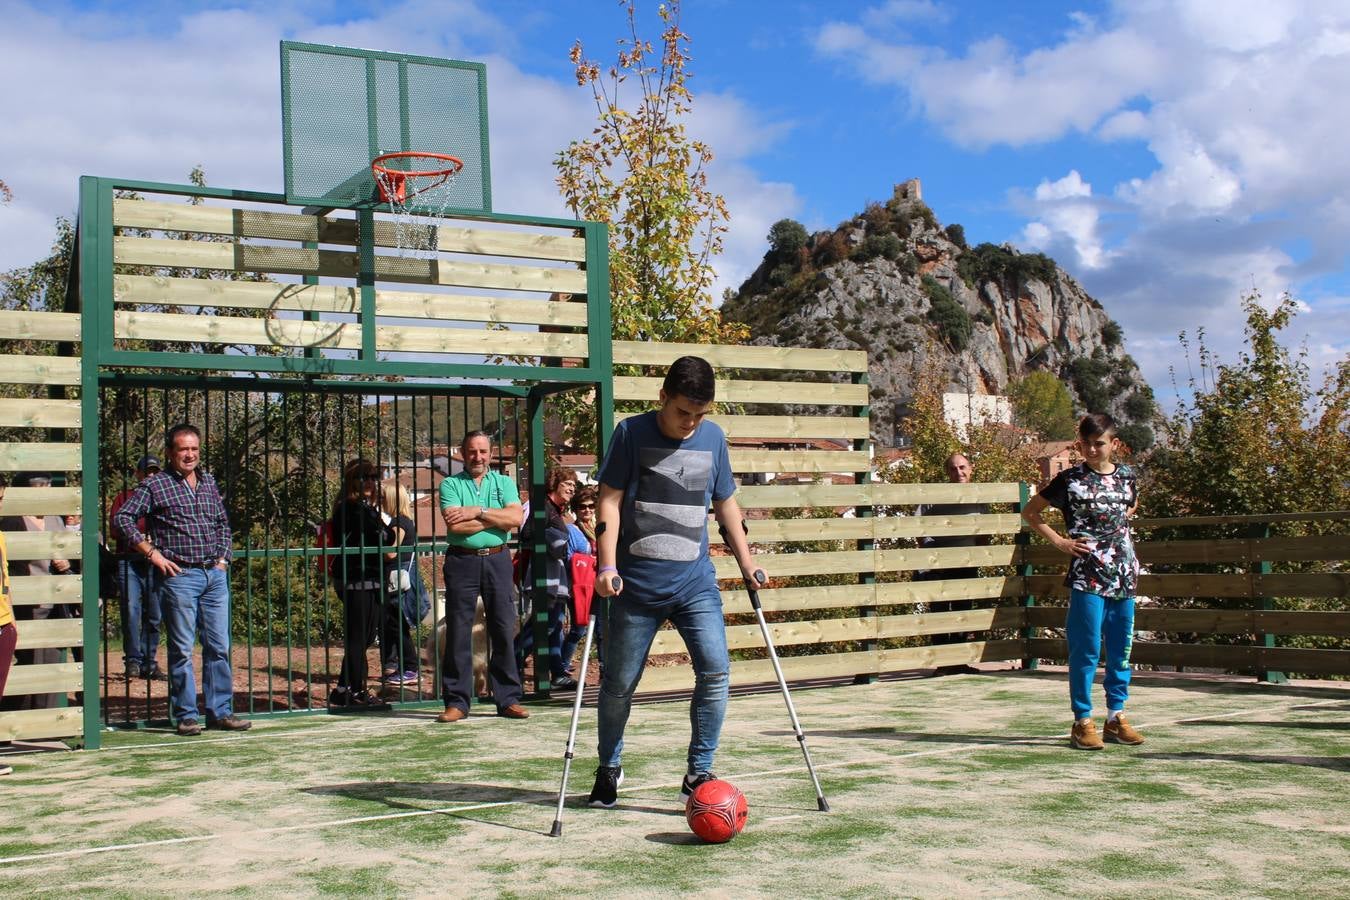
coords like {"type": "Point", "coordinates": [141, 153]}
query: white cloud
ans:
{"type": "Point", "coordinates": [113, 98]}
{"type": "Point", "coordinates": [1236, 102]}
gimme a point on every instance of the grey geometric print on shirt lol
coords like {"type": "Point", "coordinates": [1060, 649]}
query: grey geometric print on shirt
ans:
{"type": "Point", "coordinates": [670, 504]}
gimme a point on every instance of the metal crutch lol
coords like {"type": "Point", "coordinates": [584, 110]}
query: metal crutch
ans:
{"type": "Point", "coordinates": [821, 803]}
{"type": "Point", "coordinates": [617, 584]}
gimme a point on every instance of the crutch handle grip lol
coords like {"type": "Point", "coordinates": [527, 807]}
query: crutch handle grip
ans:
{"type": "Point", "coordinates": [761, 577]}
{"type": "Point", "coordinates": [616, 584]}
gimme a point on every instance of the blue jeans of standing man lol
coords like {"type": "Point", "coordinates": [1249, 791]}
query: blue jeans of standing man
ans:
{"type": "Point", "coordinates": [1089, 616]}
{"type": "Point", "coordinates": [629, 628]}
{"type": "Point", "coordinates": [197, 601]}
{"type": "Point", "coordinates": [140, 614]}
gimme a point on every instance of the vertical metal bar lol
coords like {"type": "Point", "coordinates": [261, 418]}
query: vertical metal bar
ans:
{"type": "Point", "coordinates": [599, 337]}
{"type": "Point", "coordinates": [539, 601]}
{"type": "Point", "coordinates": [1261, 567]}
{"type": "Point", "coordinates": [365, 280]}
{"type": "Point", "coordinates": [485, 155]}
{"type": "Point", "coordinates": [869, 578]}
{"type": "Point", "coordinates": [265, 477]}
{"type": "Point", "coordinates": [95, 259]}
{"type": "Point", "coordinates": [287, 560]}
{"type": "Point", "coordinates": [1023, 542]}
{"type": "Point", "coordinates": [305, 567]}
{"type": "Point", "coordinates": [246, 445]}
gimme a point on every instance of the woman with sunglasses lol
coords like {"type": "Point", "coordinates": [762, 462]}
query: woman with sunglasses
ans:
{"type": "Point", "coordinates": [360, 581]}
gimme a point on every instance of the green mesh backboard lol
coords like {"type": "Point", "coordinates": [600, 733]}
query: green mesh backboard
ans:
{"type": "Point", "coordinates": [341, 108]}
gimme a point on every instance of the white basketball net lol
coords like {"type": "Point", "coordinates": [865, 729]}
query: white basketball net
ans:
{"type": "Point", "coordinates": [418, 210]}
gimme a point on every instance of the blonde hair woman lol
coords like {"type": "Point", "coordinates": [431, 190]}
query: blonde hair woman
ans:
{"type": "Point", "coordinates": [403, 589]}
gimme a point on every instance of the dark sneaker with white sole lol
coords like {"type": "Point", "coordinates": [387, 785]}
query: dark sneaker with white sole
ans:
{"type": "Point", "coordinates": [691, 783]}
{"type": "Point", "coordinates": [605, 794]}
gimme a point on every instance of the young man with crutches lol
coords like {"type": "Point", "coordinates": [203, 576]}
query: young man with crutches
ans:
{"type": "Point", "coordinates": [662, 470]}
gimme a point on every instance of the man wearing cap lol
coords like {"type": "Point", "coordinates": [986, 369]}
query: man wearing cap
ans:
{"type": "Point", "coordinates": [141, 612]}
{"type": "Point", "coordinates": [481, 508]}
{"type": "Point", "coordinates": [187, 541]}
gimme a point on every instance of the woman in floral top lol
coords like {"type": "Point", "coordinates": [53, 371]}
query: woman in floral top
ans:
{"type": "Point", "coordinates": [1097, 498]}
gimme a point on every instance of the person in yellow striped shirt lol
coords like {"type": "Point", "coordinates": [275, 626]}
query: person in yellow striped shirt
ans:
{"type": "Point", "coordinates": [9, 634]}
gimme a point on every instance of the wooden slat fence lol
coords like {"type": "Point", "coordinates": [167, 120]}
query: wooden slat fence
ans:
{"type": "Point", "coordinates": [40, 430]}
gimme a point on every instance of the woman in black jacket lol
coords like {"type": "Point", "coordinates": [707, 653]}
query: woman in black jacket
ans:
{"type": "Point", "coordinates": [357, 524]}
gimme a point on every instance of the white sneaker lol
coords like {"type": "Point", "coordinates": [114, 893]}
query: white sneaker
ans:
{"type": "Point", "coordinates": [6, 770]}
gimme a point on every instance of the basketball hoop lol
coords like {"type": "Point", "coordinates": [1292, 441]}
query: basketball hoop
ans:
{"type": "Point", "coordinates": [412, 193]}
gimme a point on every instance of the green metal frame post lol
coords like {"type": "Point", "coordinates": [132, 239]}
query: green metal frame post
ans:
{"type": "Point", "coordinates": [1263, 640]}
{"type": "Point", "coordinates": [1023, 541]}
{"type": "Point", "coordinates": [868, 578]}
{"type": "Point", "coordinates": [539, 599]}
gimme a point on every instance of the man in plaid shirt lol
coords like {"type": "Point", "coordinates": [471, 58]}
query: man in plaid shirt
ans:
{"type": "Point", "coordinates": [189, 547]}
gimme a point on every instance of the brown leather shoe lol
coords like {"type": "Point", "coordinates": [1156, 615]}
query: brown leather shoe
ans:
{"type": "Point", "coordinates": [229, 723]}
{"type": "Point", "coordinates": [452, 714]}
{"type": "Point", "coordinates": [514, 711]}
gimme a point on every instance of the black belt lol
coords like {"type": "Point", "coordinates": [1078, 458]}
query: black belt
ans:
{"type": "Point", "coordinates": [187, 565]}
{"type": "Point", "coordinates": [470, 551]}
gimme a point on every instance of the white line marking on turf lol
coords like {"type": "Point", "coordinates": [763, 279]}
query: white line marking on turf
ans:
{"type": "Point", "coordinates": [457, 810]}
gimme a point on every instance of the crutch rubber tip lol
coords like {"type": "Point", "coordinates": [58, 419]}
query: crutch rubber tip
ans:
{"type": "Point", "coordinates": [822, 805]}
{"type": "Point", "coordinates": [557, 829]}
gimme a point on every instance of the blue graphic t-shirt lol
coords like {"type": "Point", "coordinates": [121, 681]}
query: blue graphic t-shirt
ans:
{"type": "Point", "coordinates": [668, 485]}
{"type": "Point", "coordinates": [1096, 509]}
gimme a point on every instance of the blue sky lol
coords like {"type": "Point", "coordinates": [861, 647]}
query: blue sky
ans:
{"type": "Point", "coordinates": [1170, 154]}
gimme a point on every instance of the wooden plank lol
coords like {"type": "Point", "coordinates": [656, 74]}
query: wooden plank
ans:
{"type": "Point", "coordinates": [37, 634]}
{"type": "Point", "coordinates": [814, 461]}
{"type": "Point", "coordinates": [39, 457]}
{"type": "Point", "coordinates": [43, 501]}
{"type": "Point", "coordinates": [771, 531]}
{"type": "Point", "coordinates": [813, 631]}
{"type": "Point", "coordinates": [902, 659]}
{"type": "Point", "coordinates": [1244, 621]}
{"type": "Point", "coordinates": [760, 671]}
{"type": "Point", "coordinates": [232, 330]}
{"type": "Point", "coordinates": [785, 564]}
{"type": "Point", "coordinates": [948, 622]}
{"type": "Point", "coordinates": [213, 292]}
{"type": "Point", "coordinates": [657, 353]}
{"type": "Point", "coordinates": [465, 308]}
{"type": "Point", "coordinates": [50, 678]}
{"type": "Point", "coordinates": [1298, 659]}
{"type": "Point", "coordinates": [947, 557]}
{"type": "Point", "coordinates": [19, 412]}
{"type": "Point", "coordinates": [1179, 585]}
{"type": "Point", "coordinates": [1244, 520]}
{"type": "Point", "coordinates": [18, 369]}
{"type": "Point", "coordinates": [628, 387]}
{"type": "Point", "coordinates": [784, 426]}
{"type": "Point", "coordinates": [24, 545]}
{"type": "Point", "coordinates": [422, 339]}
{"type": "Point", "coordinates": [203, 219]}
{"type": "Point", "coordinates": [33, 590]}
{"type": "Point", "coordinates": [945, 526]}
{"type": "Point", "coordinates": [36, 724]}
{"type": "Point", "coordinates": [233, 257]}
{"type": "Point", "coordinates": [329, 298]}
{"type": "Point", "coordinates": [899, 593]}
{"type": "Point", "coordinates": [780, 496]}
{"type": "Point", "coordinates": [1306, 548]}
{"type": "Point", "coordinates": [801, 598]}
{"type": "Point", "coordinates": [24, 325]}
{"type": "Point", "coordinates": [526, 244]}
{"type": "Point", "coordinates": [913, 494]}
{"type": "Point", "coordinates": [1310, 584]}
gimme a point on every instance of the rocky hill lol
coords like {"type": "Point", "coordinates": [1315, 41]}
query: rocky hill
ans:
{"type": "Point", "coordinates": [895, 283]}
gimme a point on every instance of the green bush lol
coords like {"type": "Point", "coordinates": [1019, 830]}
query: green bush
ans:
{"type": "Point", "coordinates": [1139, 406]}
{"type": "Point", "coordinates": [1136, 436]}
{"type": "Point", "coordinates": [1007, 268]}
{"type": "Point", "coordinates": [786, 237]}
{"type": "Point", "coordinates": [886, 245]}
{"type": "Point", "coordinates": [1088, 374]}
{"type": "Point", "coordinates": [950, 318]}
{"type": "Point", "coordinates": [908, 264]}
{"type": "Point", "coordinates": [957, 235]}
{"type": "Point", "coordinates": [1111, 333]}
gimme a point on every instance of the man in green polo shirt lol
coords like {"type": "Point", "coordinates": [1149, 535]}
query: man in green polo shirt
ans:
{"type": "Point", "coordinates": [481, 508]}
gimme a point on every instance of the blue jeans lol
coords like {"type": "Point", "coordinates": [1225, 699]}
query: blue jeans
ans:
{"type": "Point", "coordinates": [198, 601]}
{"type": "Point", "coordinates": [562, 643]}
{"type": "Point", "coordinates": [141, 614]}
{"type": "Point", "coordinates": [1090, 616]}
{"type": "Point", "coordinates": [629, 628]}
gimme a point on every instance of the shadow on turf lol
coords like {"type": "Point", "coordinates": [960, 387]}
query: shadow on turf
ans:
{"type": "Point", "coordinates": [1228, 723]}
{"type": "Point", "coordinates": [1335, 763]}
{"type": "Point", "coordinates": [894, 734]}
{"type": "Point", "coordinates": [402, 794]}
{"type": "Point", "coordinates": [677, 838]}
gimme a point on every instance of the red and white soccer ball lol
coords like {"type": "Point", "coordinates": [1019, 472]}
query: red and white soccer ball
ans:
{"type": "Point", "coordinates": [716, 811]}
